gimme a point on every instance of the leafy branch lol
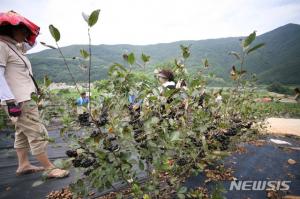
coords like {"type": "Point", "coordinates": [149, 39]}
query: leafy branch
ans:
{"type": "Point", "coordinates": [56, 35]}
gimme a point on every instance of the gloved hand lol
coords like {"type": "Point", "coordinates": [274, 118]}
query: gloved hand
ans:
{"type": "Point", "coordinates": [13, 109]}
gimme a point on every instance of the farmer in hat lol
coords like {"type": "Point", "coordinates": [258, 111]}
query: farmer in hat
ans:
{"type": "Point", "coordinates": [16, 87]}
{"type": "Point", "coordinates": [166, 79]}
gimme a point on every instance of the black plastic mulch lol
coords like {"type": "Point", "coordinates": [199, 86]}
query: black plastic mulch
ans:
{"type": "Point", "coordinates": [267, 162]}
{"type": "Point", "coordinates": [259, 163]}
{"type": "Point", "coordinates": [12, 186]}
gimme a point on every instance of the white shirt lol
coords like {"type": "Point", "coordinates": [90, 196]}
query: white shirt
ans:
{"type": "Point", "coordinates": [5, 92]}
{"type": "Point", "coordinates": [165, 85]}
{"type": "Point", "coordinates": [219, 99]}
{"type": "Point", "coordinates": [16, 74]}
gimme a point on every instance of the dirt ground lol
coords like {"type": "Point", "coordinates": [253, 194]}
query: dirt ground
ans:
{"type": "Point", "coordinates": [283, 126]}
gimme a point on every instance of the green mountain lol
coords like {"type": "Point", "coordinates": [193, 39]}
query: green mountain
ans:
{"type": "Point", "coordinates": [278, 61]}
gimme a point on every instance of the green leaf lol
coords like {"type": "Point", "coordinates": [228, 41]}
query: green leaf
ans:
{"type": "Point", "coordinates": [145, 58]}
{"type": "Point", "coordinates": [54, 32]}
{"type": "Point", "coordinates": [125, 156]}
{"type": "Point", "coordinates": [62, 131]}
{"type": "Point", "coordinates": [116, 67]}
{"type": "Point", "coordinates": [136, 189]}
{"type": "Point", "coordinates": [175, 136]}
{"type": "Point", "coordinates": [93, 18]}
{"type": "Point", "coordinates": [34, 97]}
{"type": "Point", "coordinates": [248, 40]}
{"type": "Point", "coordinates": [131, 58]}
{"type": "Point", "coordinates": [204, 143]}
{"type": "Point", "coordinates": [255, 47]}
{"type": "Point", "coordinates": [84, 53]}
{"type": "Point", "coordinates": [63, 164]}
{"type": "Point", "coordinates": [49, 139]}
{"type": "Point", "coordinates": [182, 190]}
{"type": "Point", "coordinates": [141, 165]}
{"type": "Point", "coordinates": [221, 153]}
{"type": "Point", "coordinates": [47, 81]}
{"type": "Point", "coordinates": [154, 120]}
{"type": "Point", "coordinates": [119, 196]}
{"type": "Point", "coordinates": [46, 45]}
{"type": "Point", "coordinates": [185, 51]}
{"type": "Point", "coordinates": [59, 163]}
{"type": "Point", "coordinates": [146, 196]}
{"type": "Point", "coordinates": [237, 55]}
{"type": "Point", "coordinates": [181, 196]}
{"type": "Point", "coordinates": [206, 64]}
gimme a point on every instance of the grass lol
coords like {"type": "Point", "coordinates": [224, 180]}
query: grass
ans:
{"type": "Point", "coordinates": [274, 109]}
{"type": "Point", "coordinates": [71, 93]}
{"type": "Point", "coordinates": [279, 109]}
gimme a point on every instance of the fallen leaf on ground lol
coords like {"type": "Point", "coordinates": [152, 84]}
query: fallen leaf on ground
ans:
{"type": "Point", "coordinates": [258, 142]}
{"type": "Point", "coordinates": [291, 197]}
{"type": "Point", "coordinates": [220, 173]}
{"type": "Point", "coordinates": [199, 191]}
{"type": "Point", "coordinates": [64, 193]}
{"type": "Point", "coordinates": [273, 195]}
{"type": "Point", "coordinates": [291, 161]}
{"type": "Point", "coordinates": [92, 193]}
{"type": "Point", "coordinates": [241, 150]}
{"type": "Point", "coordinates": [291, 175]}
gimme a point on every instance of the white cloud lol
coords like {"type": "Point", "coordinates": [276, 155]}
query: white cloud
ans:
{"type": "Point", "coordinates": [155, 21]}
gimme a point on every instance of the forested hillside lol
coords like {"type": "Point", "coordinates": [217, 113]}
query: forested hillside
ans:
{"type": "Point", "coordinates": [278, 61]}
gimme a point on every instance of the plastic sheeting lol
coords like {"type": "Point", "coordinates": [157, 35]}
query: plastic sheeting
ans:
{"type": "Point", "coordinates": [267, 162]}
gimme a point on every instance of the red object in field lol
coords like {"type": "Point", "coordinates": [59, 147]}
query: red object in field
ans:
{"type": "Point", "coordinates": [13, 18]}
{"type": "Point", "coordinates": [266, 99]}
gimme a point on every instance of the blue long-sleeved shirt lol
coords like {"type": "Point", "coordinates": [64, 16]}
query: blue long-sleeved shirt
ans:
{"type": "Point", "coordinates": [82, 101]}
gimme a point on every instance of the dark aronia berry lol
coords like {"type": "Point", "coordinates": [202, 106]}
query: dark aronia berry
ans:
{"type": "Point", "coordinates": [77, 162]}
{"type": "Point", "coordinates": [181, 162]}
{"type": "Point", "coordinates": [88, 172]}
{"type": "Point", "coordinates": [71, 153]}
{"type": "Point", "coordinates": [85, 163]}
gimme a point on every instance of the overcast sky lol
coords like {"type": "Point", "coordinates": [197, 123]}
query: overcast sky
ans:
{"type": "Point", "coordinates": [154, 21]}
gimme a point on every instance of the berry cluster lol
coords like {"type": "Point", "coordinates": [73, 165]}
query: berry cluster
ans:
{"type": "Point", "coordinates": [88, 172]}
{"type": "Point", "coordinates": [231, 131]}
{"type": "Point", "coordinates": [181, 161]}
{"type": "Point", "coordinates": [238, 123]}
{"type": "Point", "coordinates": [224, 140]}
{"type": "Point", "coordinates": [103, 118]}
{"type": "Point", "coordinates": [71, 153]}
{"type": "Point", "coordinates": [77, 162]}
{"type": "Point", "coordinates": [95, 134]}
{"type": "Point", "coordinates": [87, 162]}
{"type": "Point", "coordinates": [137, 125]}
{"type": "Point", "coordinates": [84, 162]}
{"type": "Point", "coordinates": [111, 145]}
{"type": "Point", "coordinates": [247, 125]}
{"type": "Point", "coordinates": [218, 136]}
{"type": "Point", "coordinates": [197, 143]}
{"type": "Point", "coordinates": [84, 119]}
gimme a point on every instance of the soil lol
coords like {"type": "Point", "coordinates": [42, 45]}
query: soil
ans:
{"type": "Point", "coordinates": [283, 126]}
